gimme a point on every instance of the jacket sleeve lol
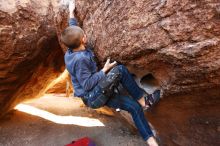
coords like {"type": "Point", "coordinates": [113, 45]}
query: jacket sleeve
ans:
{"type": "Point", "coordinates": [85, 77]}
{"type": "Point", "coordinates": [73, 22]}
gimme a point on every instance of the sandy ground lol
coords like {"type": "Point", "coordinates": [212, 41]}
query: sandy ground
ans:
{"type": "Point", "coordinates": [23, 129]}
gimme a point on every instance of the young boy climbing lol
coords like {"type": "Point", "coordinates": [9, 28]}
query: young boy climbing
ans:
{"type": "Point", "coordinates": [85, 78]}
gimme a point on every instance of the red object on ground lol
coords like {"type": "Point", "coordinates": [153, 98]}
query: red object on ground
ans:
{"type": "Point", "coordinates": [82, 142]}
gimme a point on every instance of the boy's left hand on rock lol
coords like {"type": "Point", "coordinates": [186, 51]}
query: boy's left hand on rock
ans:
{"type": "Point", "coordinates": [72, 6]}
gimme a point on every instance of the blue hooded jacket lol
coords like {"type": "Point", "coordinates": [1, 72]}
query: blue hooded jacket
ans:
{"type": "Point", "coordinates": [82, 68]}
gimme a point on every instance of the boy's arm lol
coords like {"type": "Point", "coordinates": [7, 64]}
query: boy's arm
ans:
{"type": "Point", "coordinates": [72, 19]}
{"type": "Point", "coordinates": [86, 78]}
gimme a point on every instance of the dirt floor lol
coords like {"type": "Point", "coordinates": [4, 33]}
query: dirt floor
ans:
{"type": "Point", "coordinates": [55, 120]}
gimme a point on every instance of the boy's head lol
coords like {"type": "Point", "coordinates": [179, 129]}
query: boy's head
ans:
{"type": "Point", "coordinates": [73, 37]}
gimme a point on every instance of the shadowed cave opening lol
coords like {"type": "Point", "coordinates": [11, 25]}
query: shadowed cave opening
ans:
{"type": "Point", "coordinates": [148, 82]}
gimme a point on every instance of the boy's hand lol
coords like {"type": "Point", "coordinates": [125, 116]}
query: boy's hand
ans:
{"type": "Point", "coordinates": [108, 66]}
{"type": "Point", "coordinates": [72, 6]}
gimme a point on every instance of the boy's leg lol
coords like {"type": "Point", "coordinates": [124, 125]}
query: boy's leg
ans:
{"type": "Point", "coordinates": [129, 104]}
{"type": "Point", "coordinates": [129, 83]}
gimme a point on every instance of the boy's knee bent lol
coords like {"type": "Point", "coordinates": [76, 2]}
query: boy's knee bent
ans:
{"type": "Point", "coordinates": [122, 68]}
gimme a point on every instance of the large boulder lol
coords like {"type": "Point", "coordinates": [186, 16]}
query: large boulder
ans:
{"type": "Point", "coordinates": [175, 41]}
{"type": "Point", "coordinates": [176, 44]}
{"type": "Point", "coordinates": [30, 54]}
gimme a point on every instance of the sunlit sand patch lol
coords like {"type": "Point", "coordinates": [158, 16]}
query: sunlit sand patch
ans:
{"type": "Point", "coordinates": [68, 120]}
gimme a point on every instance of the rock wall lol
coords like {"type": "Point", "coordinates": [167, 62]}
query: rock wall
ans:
{"type": "Point", "coordinates": [30, 54]}
{"type": "Point", "coordinates": [62, 84]}
{"type": "Point", "coordinates": [188, 120]}
{"type": "Point", "coordinates": [174, 42]}
{"type": "Point", "coordinates": [177, 41]}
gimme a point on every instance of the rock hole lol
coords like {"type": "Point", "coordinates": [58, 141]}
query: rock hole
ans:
{"type": "Point", "coordinates": [149, 83]}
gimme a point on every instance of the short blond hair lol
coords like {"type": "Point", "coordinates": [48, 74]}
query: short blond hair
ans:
{"type": "Point", "coordinates": [72, 37]}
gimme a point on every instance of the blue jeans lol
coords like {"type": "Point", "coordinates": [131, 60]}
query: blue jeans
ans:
{"type": "Point", "coordinates": [130, 104]}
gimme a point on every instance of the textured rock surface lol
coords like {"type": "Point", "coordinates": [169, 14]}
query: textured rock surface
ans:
{"type": "Point", "coordinates": [177, 41]}
{"type": "Point", "coordinates": [61, 85]}
{"type": "Point", "coordinates": [188, 120]}
{"type": "Point", "coordinates": [30, 55]}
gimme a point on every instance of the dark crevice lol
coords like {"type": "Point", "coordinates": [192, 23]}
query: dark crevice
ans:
{"type": "Point", "coordinates": [149, 83]}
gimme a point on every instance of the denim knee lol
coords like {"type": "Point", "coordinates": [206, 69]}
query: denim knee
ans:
{"type": "Point", "coordinates": [122, 68]}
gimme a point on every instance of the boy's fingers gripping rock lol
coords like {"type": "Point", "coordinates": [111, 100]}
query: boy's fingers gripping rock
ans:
{"type": "Point", "coordinates": [107, 62]}
{"type": "Point", "coordinates": [114, 63]}
{"type": "Point", "coordinates": [71, 5]}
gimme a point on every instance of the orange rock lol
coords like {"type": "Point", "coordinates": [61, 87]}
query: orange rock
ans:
{"type": "Point", "coordinates": [30, 55]}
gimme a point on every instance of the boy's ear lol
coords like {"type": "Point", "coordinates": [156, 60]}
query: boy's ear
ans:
{"type": "Point", "coordinates": [84, 39]}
